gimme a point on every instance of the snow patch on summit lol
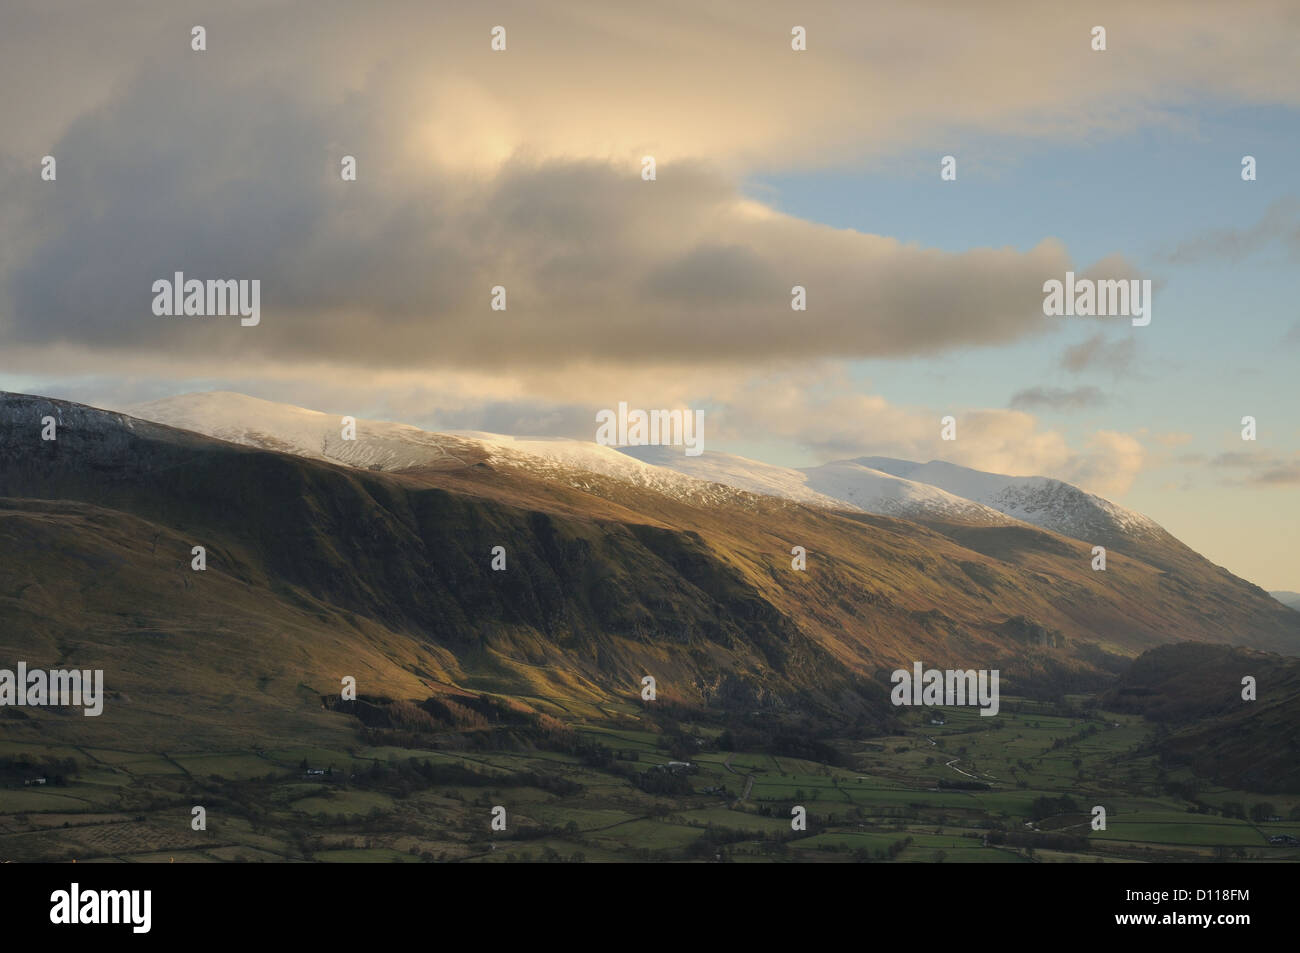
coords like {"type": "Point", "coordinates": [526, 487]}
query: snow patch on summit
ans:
{"type": "Point", "coordinates": [1040, 501]}
{"type": "Point", "coordinates": [844, 486]}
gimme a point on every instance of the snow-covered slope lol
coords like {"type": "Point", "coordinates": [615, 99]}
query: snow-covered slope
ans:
{"type": "Point", "coordinates": [740, 472]}
{"type": "Point", "coordinates": [563, 459]}
{"type": "Point", "coordinates": [934, 490]}
{"type": "Point", "coordinates": [239, 418]}
{"type": "Point", "coordinates": [1042, 501]}
{"type": "Point", "coordinates": [250, 421]}
{"type": "Point", "coordinates": [845, 485]}
{"type": "Point", "coordinates": [878, 492]}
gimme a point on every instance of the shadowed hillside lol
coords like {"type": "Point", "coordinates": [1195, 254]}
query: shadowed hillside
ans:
{"type": "Point", "coordinates": [1195, 693]}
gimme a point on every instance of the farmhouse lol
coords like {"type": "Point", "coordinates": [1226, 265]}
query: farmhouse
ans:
{"type": "Point", "coordinates": [676, 767]}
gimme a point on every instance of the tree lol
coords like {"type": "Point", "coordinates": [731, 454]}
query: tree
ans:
{"type": "Point", "coordinates": [1262, 810]}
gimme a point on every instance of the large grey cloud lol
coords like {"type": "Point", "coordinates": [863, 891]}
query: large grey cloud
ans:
{"type": "Point", "coordinates": [521, 169]}
{"type": "Point", "coordinates": [197, 172]}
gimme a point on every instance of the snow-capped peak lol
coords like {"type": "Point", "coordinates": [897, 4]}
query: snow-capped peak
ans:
{"type": "Point", "coordinates": [1042, 501]}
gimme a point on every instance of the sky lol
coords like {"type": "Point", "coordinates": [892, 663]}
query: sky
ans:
{"type": "Point", "coordinates": [523, 168]}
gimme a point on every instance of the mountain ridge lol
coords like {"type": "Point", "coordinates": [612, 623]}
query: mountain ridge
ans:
{"type": "Point", "coordinates": [924, 492]}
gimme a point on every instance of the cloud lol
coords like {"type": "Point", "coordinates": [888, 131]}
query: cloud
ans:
{"type": "Point", "coordinates": [584, 79]}
{"type": "Point", "coordinates": [1237, 459]}
{"type": "Point", "coordinates": [1099, 354]}
{"type": "Point", "coordinates": [1280, 222]}
{"type": "Point", "coordinates": [395, 270]}
{"type": "Point", "coordinates": [1263, 468]}
{"type": "Point", "coordinates": [522, 168]}
{"type": "Point", "coordinates": [1057, 398]}
{"type": "Point", "coordinates": [817, 410]}
{"type": "Point", "coordinates": [1109, 463]}
{"type": "Point", "coordinates": [1285, 475]}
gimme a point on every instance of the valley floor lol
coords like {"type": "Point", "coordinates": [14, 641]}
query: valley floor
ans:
{"type": "Point", "coordinates": [1020, 791]}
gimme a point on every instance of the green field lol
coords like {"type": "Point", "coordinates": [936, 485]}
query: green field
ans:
{"type": "Point", "coordinates": [1030, 785]}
